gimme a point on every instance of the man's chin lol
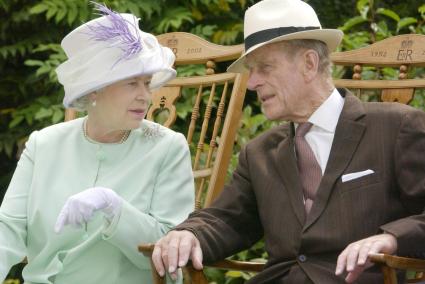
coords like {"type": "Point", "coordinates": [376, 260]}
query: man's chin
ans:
{"type": "Point", "coordinates": [270, 115]}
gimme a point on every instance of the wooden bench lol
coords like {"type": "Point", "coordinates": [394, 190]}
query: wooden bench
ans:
{"type": "Point", "coordinates": [365, 68]}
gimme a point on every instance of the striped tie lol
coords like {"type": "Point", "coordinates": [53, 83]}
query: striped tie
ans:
{"type": "Point", "coordinates": [308, 167]}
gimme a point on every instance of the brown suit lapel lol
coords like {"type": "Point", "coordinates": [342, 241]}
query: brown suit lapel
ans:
{"type": "Point", "coordinates": [287, 166]}
{"type": "Point", "coordinates": [348, 134]}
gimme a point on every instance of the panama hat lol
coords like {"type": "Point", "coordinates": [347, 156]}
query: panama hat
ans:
{"type": "Point", "coordinates": [271, 21]}
{"type": "Point", "coordinates": [109, 49]}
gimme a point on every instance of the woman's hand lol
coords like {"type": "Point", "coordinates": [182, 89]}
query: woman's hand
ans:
{"type": "Point", "coordinates": [80, 208]}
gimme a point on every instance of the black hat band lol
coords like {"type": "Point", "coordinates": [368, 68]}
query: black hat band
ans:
{"type": "Point", "coordinates": [266, 35]}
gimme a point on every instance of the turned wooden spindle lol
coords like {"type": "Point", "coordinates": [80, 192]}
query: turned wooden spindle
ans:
{"type": "Point", "coordinates": [210, 67]}
{"type": "Point", "coordinates": [357, 75]}
{"type": "Point", "coordinates": [357, 72]}
{"type": "Point", "coordinates": [403, 72]}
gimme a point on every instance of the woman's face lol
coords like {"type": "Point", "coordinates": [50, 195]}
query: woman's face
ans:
{"type": "Point", "coordinates": [122, 105]}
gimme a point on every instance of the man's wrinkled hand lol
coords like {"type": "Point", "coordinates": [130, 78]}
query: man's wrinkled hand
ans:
{"type": "Point", "coordinates": [354, 258]}
{"type": "Point", "coordinates": [174, 250]}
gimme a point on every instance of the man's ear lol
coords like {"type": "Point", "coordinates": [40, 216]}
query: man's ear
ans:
{"type": "Point", "coordinates": [311, 64]}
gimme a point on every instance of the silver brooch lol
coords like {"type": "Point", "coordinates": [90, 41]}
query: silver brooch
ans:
{"type": "Point", "coordinates": [152, 131]}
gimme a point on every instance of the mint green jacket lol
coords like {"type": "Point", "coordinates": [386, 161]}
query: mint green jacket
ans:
{"type": "Point", "coordinates": [151, 171]}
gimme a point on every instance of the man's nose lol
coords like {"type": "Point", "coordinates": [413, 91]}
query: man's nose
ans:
{"type": "Point", "coordinates": [254, 81]}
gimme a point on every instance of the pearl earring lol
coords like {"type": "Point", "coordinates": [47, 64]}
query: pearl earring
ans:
{"type": "Point", "coordinates": [93, 104]}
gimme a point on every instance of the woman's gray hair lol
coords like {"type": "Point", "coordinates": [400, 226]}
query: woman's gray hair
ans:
{"type": "Point", "coordinates": [82, 103]}
{"type": "Point", "coordinates": [291, 47]}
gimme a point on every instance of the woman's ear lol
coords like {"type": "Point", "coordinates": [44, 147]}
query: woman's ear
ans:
{"type": "Point", "coordinates": [311, 65]}
{"type": "Point", "coordinates": [92, 98]}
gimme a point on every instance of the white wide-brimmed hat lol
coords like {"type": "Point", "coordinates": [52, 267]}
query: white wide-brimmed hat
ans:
{"type": "Point", "coordinates": [271, 21]}
{"type": "Point", "coordinates": [109, 49]}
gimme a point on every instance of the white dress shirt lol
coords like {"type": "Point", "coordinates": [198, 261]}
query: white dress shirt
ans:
{"type": "Point", "coordinates": [321, 134]}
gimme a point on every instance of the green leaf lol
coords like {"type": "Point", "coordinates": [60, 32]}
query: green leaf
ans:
{"type": "Point", "coordinates": [57, 116]}
{"type": "Point", "coordinates": [173, 19]}
{"type": "Point", "coordinates": [8, 148]}
{"type": "Point", "coordinates": [3, 52]}
{"type": "Point", "coordinates": [225, 36]}
{"type": "Point", "coordinates": [43, 70]}
{"type": "Point", "coordinates": [39, 8]}
{"type": "Point", "coordinates": [12, 52]}
{"type": "Point", "coordinates": [389, 13]}
{"type": "Point", "coordinates": [406, 22]}
{"type": "Point", "coordinates": [84, 13]}
{"type": "Point", "coordinates": [31, 62]}
{"type": "Point", "coordinates": [133, 7]}
{"type": "Point", "coordinates": [361, 4]}
{"type": "Point", "coordinates": [29, 118]}
{"type": "Point", "coordinates": [51, 12]}
{"type": "Point", "coordinates": [382, 29]}
{"type": "Point", "coordinates": [389, 73]}
{"type": "Point", "coordinates": [421, 10]}
{"type": "Point", "coordinates": [410, 274]}
{"type": "Point", "coordinates": [44, 101]}
{"type": "Point", "coordinates": [208, 30]}
{"type": "Point", "coordinates": [15, 121]}
{"type": "Point", "coordinates": [60, 15]}
{"type": "Point", "coordinates": [363, 7]}
{"type": "Point", "coordinates": [234, 274]}
{"type": "Point", "coordinates": [43, 113]}
{"type": "Point", "coordinates": [72, 12]}
{"type": "Point", "coordinates": [22, 50]}
{"type": "Point", "coordinates": [6, 7]}
{"type": "Point", "coordinates": [352, 22]}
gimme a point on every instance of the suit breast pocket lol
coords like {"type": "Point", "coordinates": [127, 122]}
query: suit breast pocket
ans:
{"type": "Point", "coordinates": [359, 183]}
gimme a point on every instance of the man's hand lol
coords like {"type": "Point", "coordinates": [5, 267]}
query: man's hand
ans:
{"type": "Point", "coordinates": [354, 258]}
{"type": "Point", "coordinates": [174, 250]}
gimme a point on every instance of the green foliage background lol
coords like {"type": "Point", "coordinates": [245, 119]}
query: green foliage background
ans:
{"type": "Point", "coordinates": [31, 31]}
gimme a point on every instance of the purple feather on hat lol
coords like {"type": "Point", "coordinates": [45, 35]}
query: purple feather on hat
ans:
{"type": "Point", "coordinates": [118, 33]}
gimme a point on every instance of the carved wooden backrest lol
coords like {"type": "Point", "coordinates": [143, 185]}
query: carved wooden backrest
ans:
{"type": "Point", "coordinates": [404, 52]}
{"type": "Point", "coordinates": [208, 108]}
{"type": "Point", "coordinates": [215, 110]}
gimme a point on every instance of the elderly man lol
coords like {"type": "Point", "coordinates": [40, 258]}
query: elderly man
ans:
{"type": "Point", "coordinates": [343, 179]}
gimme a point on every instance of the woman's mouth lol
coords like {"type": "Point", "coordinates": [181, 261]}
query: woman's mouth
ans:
{"type": "Point", "coordinates": [139, 113]}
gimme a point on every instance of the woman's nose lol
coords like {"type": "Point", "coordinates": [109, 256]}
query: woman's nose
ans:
{"type": "Point", "coordinates": [143, 93]}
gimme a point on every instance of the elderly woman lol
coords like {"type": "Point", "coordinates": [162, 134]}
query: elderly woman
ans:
{"type": "Point", "coordinates": [86, 192]}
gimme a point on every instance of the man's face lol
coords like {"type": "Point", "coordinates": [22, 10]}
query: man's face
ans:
{"type": "Point", "coordinates": [279, 83]}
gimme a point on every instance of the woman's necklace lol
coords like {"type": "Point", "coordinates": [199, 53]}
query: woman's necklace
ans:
{"type": "Point", "coordinates": [124, 136]}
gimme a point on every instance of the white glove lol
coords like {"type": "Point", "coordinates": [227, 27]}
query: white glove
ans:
{"type": "Point", "coordinates": [80, 208]}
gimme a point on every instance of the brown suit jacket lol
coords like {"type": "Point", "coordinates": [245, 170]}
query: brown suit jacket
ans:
{"type": "Point", "coordinates": [264, 198]}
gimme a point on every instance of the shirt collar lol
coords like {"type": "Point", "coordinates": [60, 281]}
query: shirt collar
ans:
{"type": "Point", "coordinates": [327, 115]}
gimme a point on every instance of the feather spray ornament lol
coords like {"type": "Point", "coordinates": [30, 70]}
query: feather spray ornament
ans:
{"type": "Point", "coordinates": [118, 33]}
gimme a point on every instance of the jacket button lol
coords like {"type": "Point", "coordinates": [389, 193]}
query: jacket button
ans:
{"type": "Point", "coordinates": [302, 258]}
{"type": "Point", "coordinates": [100, 155]}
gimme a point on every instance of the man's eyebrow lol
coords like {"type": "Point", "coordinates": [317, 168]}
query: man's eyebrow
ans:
{"type": "Point", "coordinates": [258, 61]}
